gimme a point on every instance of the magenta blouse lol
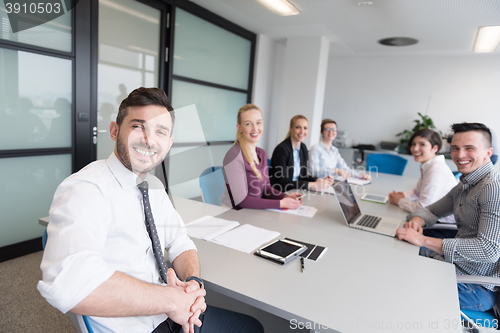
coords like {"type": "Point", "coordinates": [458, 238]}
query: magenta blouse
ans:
{"type": "Point", "coordinates": [244, 189]}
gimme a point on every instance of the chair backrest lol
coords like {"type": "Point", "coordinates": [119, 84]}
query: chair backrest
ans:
{"type": "Point", "coordinates": [212, 185]}
{"type": "Point", "coordinates": [494, 158]}
{"type": "Point", "coordinates": [386, 163]}
{"type": "Point", "coordinates": [80, 322]}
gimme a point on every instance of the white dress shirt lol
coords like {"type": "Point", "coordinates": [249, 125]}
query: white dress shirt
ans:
{"type": "Point", "coordinates": [436, 180]}
{"type": "Point", "coordinates": [97, 227]}
{"type": "Point", "coordinates": [323, 162]}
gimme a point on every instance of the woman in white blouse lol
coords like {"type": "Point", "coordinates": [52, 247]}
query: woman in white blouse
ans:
{"type": "Point", "coordinates": [436, 178]}
{"type": "Point", "coordinates": [325, 159]}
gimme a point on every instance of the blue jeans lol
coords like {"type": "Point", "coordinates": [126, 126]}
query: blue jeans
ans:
{"type": "Point", "coordinates": [475, 298]}
{"type": "Point", "coordinates": [471, 296]}
{"type": "Point", "coordinates": [216, 320]}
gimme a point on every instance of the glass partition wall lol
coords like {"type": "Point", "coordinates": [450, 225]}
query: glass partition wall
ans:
{"type": "Point", "coordinates": [211, 80]}
{"type": "Point", "coordinates": [36, 140]}
{"type": "Point", "coordinates": [129, 51]}
{"type": "Point", "coordinates": [61, 83]}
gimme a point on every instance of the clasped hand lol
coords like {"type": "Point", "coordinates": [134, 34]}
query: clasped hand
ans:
{"type": "Point", "coordinates": [394, 197]}
{"type": "Point", "coordinates": [189, 302]}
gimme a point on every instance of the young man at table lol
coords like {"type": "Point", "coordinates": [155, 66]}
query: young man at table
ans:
{"type": "Point", "coordinates": [109, 224]}
{"type": "Point", "coordinates": [475, 201]}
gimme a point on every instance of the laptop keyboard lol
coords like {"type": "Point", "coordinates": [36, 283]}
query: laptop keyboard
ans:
{"type": "Point", "coordinates": [369, 221]}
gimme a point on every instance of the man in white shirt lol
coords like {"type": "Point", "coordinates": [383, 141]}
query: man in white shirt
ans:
{"type": "Point", "coordinates": [99, 260]}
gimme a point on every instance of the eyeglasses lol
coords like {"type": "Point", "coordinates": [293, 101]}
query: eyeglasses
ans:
{"type": "Point", "coordinates": [330, 129]}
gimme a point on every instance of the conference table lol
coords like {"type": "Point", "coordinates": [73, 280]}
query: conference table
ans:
{"type": "Point", "coordinates": [364, 282]}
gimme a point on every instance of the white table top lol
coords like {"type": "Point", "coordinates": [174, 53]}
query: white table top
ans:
{"type": "Point", "coordinates": [365, 282]}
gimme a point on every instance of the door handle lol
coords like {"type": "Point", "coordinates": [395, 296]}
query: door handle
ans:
{"type": "Point", "coordinates": [94, 134]}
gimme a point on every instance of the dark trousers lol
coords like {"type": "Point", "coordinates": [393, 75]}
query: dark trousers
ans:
{"type": "Point", "coordinates": [440, 233]}
{"type": "Point", "coordinates": [216, 320]}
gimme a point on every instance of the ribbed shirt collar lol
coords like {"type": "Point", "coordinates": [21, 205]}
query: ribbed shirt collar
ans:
{"type": "Point", "coordinates": [124, 176]}
{"type": "Point", "coordinates": [437, 159]}
{"type": "Point", "coordinates": [295, 150]}
{"type": "Point", "coordinates": [322, 144]}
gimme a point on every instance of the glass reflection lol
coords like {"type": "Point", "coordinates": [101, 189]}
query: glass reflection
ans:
{"type": "Point", "coordinates": [129, 41]}
{"type": "Point", "coordinates": [35, 101]}
{"type": "Point", "coordinates": [28, 182]}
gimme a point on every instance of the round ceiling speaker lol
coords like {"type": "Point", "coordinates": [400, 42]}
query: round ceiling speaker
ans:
{"type": "Point", "coordinates": [398, 41]}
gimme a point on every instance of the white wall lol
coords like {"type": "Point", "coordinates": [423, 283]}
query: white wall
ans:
{"type": "Point", "coordinates": [305, 70]}
{"type": "Point", "coordinates": [376, 98]}
{"type": "Point", "coordinates": [263, 80]}
{"type": "Point", "coordinates": [268, 87]}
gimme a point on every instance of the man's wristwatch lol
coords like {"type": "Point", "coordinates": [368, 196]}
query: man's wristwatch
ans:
{"type": "Point", "coordinates": [197, 279]}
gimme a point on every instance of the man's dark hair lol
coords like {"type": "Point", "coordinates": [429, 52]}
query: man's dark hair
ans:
{"type": "Point", "coordinates": [432, 136]}
{"type": "Point", "coordinates": [478, 127]}
{"type": "Point", "coordinates": [142, 97]}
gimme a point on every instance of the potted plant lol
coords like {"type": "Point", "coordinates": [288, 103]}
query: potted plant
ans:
{"type": "Point", "coordinates": [423, 122]}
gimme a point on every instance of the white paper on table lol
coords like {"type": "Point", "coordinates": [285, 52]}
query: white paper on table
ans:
{"type": "Point", "coordinates": [353, 180]}
{"type": "Point", "coordinates": [246, 238]}
{"type": "Point", "coordinates": [307, 211]}
{"type": "Point", "coordinates": [357, 181]}
{"type": "Point", "coordinates": [209, 227]}
{"type": "Point", "coordinates": [329, 190]}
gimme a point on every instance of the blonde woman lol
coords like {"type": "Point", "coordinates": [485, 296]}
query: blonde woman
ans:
{"type": "Point", "coordinates": [245, 168]}
{"type": "Point", "coordinates": [290, 159]}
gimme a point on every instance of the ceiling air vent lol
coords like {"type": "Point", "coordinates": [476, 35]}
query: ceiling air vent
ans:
{"type": "Point", "coordinates": [398, 41]}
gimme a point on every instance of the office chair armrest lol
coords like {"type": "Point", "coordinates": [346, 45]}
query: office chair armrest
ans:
{"type": "Point", "coordinates": [444, 226]}
{"type": "Point", "coordinates": [478, 279]}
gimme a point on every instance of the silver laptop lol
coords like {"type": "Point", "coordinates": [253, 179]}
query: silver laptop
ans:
{"type": "Point", "coordinates": [355, 219]}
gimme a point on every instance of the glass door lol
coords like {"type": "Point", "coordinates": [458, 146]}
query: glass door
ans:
{"type": "Point", "coordinates": [129, 58]}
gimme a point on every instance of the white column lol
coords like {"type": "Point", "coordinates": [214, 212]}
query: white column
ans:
{"type": "Point", "coordinates": [263, 82]}
{"type": "Point", "coordinates": [305, 69]}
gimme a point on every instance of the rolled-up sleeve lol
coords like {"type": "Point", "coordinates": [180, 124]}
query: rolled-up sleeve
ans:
{"type": "Point", "coordinates": [432, 213]}
{"type": "Point", "coordinates": [73, 268]}
{"type": "Point", "coordinates": [485, 247]}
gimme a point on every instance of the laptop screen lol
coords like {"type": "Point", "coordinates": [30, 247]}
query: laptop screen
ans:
{"type": "Point", "coordinates": [347, 201]}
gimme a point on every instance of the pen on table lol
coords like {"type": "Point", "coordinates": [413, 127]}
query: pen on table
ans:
{"type": "Point", "coordinates": [302, 264]}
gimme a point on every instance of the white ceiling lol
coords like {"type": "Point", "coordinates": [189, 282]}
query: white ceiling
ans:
{"type": "Point", "coordinates": [441, 26]}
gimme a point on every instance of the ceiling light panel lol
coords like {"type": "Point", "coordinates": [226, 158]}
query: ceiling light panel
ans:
{"type": "Point", "coordinates": [281, 7]}
{"type": "Point", "coordinates": [487, 39]}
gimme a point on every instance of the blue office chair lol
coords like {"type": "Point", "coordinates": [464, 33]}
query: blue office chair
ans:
{"type": "Point", "coordinates": [456, 174]}
{"type": "Point", "coordinates": [212, 185]}
{"type": "Point", "coordinates": [489, 318]}
{"type": "Point", "coordinates": [76, 319]}
{"type": "Point", "coordinates": [386, 163]}
{"type": "Point", "coordinates": [269, 162]}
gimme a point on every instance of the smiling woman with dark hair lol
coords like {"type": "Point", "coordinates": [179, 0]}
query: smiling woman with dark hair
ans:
{"type": "Point", "coordinates": [436, 177]}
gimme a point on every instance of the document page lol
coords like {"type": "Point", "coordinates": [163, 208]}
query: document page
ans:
{"type": "Point", "coordinates": [301, 211]}
{"type": "Point", "coordinates": [246, 238]}
{"type": "Point", "coordinates": [209, 227]}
